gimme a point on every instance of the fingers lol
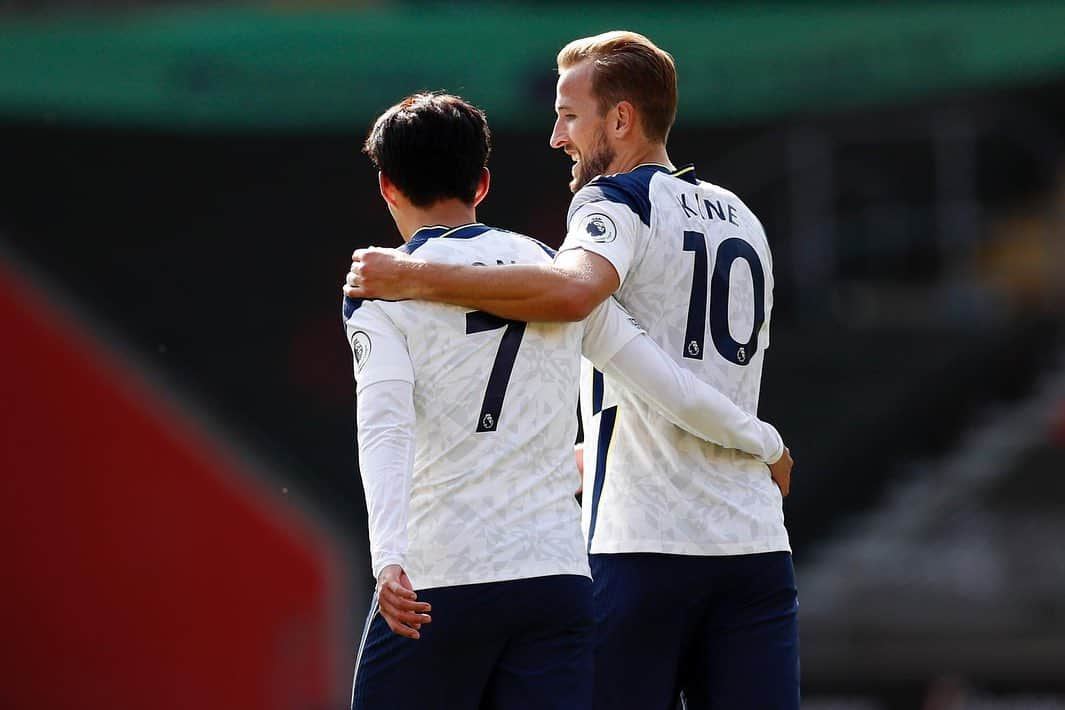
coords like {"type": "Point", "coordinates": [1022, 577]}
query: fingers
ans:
{"type": "Point", "coordinates": [406, 617]}
{"type": "Point", "coordinates": [379, 273]}
{"type": "Point", "coordinates": [784, 484]}
{"type": "Point", "coordinates": [351, 285]}
{"type": "Point", "coordinates": [356, 280]}
{"type": "Point", "coordinates": [401, 599]}
{"type": "Point", "coordinates": [781, 472]}
{"type": "Point", "coordinates": [784, 481]}
{"type": "Point", "coordinates": [402, 627]}
{"type": "Point", "coordinates": [401, 610]}
{"type": "Point", "coordinates": [359, 255]}
{"type": "Point", "coordinates": [399, 629]}
{"type": "Point", "coordinates": [352, 281]}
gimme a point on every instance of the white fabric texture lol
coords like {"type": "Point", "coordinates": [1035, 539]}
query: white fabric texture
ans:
{"type": "Point", "coordinates": [696, 272]}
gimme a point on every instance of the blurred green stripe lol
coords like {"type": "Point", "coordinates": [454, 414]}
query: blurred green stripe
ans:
{"type": "Point", "coordinates": [255, 69]}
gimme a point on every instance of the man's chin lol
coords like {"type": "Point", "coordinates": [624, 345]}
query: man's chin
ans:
{"type": "Point", "coordinates": [580, 180]}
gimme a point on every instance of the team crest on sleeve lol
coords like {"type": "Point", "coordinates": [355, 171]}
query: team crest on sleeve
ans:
{"type": "Point", "coordinates": [600, 228]}
{"type": "Point", "coordinates": [360, 346]}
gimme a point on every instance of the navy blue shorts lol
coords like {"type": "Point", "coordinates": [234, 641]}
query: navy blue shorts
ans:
{"type": "Point", "coordinates": [722, 631]}
{"type": "Point", "coordinates": [525, 643]}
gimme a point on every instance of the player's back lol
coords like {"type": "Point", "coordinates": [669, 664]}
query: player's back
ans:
{"type": "Point", "coordinates": [704, 284]}
{"type": "Point", "coordinates": [493, 482]}
{"type": "Point", "coordinates": [698, 277]}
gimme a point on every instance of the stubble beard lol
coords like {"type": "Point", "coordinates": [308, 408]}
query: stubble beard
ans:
{"type": "Point", "coordinates": [594, 163]}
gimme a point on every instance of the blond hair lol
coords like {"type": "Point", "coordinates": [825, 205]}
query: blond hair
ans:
{"type": "Point", "coordinates": [626, 66]}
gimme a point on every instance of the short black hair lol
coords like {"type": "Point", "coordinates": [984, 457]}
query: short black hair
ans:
{"type": "Point", "coordinates": [433, 146]}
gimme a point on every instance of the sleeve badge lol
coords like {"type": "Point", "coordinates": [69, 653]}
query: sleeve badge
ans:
{"type": "Point", "coordinates": [360, 347]}
{"type": "Point", "coordinates": [599, 228]}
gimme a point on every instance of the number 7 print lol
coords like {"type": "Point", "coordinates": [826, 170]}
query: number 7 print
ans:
{"type": "Point", "coordinates": [499, 378]}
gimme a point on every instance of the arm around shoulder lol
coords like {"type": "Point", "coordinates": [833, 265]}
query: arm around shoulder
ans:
{"type": "Point", "coordinates": [588, 280]}
{"type": "Point", "coordinates": [567, 290]}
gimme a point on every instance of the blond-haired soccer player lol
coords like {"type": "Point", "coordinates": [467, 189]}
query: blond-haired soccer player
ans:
{"type": "Point", "coordinates": [465, 423]}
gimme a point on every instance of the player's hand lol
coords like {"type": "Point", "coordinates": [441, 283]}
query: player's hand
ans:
{"type": "Point", "coordinates": [781, 472]}
{"type": "Point", "coordinates": [381, 273]}
{"type": "Point", "coordinates": [399, 605]}
{"type": "Point", "coordinates": [578, 453]}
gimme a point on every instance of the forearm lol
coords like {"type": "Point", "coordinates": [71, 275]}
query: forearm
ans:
{"type": "Point", "coordinates": [688, 402]}
{"type": "Point", "coordinates": [541, 292]}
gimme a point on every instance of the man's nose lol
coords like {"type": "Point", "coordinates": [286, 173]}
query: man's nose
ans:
{"type": "Point", "coordinates": [558, 135]}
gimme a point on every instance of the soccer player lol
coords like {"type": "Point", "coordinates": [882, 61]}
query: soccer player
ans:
{"type": "Point", "coordinates": [465, 426]}
{"type": "Point", "coordinates": [694, 587]}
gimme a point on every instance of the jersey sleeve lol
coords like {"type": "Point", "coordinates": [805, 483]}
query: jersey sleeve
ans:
{"type": "Point", "coordinates": [607, 330]}
{"type": "Point", "coordinates": [385, 417]}
{"type": "Point", "coordinates": [600, 221]}
{"type": "Point", "coordinates": [645, 369]}
{"type": "Point", "coordinates": [378, 346]}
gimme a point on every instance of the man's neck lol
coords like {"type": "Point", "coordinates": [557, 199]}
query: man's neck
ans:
{"type": "Point", "coordinates": [446, 213]}
{"type": "Point", "coordinates": [642, 154]}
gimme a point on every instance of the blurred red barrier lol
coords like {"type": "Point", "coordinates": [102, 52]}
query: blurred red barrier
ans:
{"type": "Point", "coordinates": [142, 566]}
{"type": "Point", "coordinates": [1057, 428]}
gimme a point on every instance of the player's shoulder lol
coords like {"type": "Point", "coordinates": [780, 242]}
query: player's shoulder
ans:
{"type": "Point", "coordinates": [352, 307]}
{"type": "Point", "coordinates": [632, 188]}
{"type": "Point", "coordinates": [530, 243]}
{"type": "Point", "coordinates": [364, 308]}
{"type": "Point", "coordinates": [475, 243]}
{"type": "Point", "coordinates": [441, 239]}
{"type": "Point", "coordinates": [721, 194]}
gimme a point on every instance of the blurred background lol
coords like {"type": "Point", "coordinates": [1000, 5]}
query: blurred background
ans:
{"type": "Point", "coordinates": [180, 192]}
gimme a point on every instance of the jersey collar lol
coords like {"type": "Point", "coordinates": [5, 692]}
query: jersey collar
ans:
{"type": "Point", "coordinates": [464, 231]}
{"type": "Point", "coordinates": [685, 172]}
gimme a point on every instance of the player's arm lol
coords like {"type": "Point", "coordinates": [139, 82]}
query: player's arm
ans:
{"type": "Point", "coordinates": [385, 419]}
{"type": "Point", "coordinates": [624, 352]}
{"type": "Point", "coordinates": [566, 290]}
{"type": "Point", "coordinates": [602, 238]}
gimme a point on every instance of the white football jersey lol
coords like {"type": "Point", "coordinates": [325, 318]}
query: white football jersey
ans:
{"type": "Point", "coordinates": [697, 273]}
{"type": "Point", "coordinates": [492, 490]}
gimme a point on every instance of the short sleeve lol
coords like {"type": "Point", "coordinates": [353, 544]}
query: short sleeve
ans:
{"type": "Point", "coordinates": [607, 330]}
{"type": "Point", "coordinates": [607, 228]}
{"type": "Point", "coordinates": [379, 349]}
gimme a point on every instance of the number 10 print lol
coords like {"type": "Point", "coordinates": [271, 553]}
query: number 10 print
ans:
{"type": "Point", "coordinates": [729, 250]}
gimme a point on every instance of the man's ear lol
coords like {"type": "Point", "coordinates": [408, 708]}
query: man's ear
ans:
{"type": "Point", "coordinates": [389, 191]}
{"type": "Point", "coordinates": [482, 186]}
{"type": "Point", "coordinates": [623, 120]}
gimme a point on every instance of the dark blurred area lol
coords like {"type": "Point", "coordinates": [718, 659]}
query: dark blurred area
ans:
{"type": "Point", "coordinates": [917, 366]}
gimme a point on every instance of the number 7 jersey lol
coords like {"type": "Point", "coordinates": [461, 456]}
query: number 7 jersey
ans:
{"type": "Point", "coordinates": [491, 495]}
{"type": "Point", "coordinates": [696, 272]}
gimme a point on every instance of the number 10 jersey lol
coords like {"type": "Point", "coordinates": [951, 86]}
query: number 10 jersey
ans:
{"type": "Point", "coordinates": [696, 272]}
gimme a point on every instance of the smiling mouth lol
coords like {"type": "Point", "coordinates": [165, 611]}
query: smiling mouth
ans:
{"type": "Point", "coordinates": [576, 161]}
